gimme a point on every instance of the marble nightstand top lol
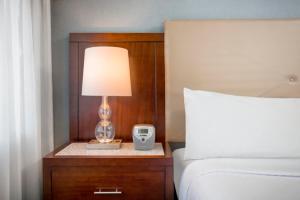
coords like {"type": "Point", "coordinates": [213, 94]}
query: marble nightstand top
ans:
{"type": "Point", "coordinates": [127, 149]}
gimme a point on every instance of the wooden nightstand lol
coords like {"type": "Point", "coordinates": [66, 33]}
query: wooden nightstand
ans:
{"type": "Point", "coordinates": [128, 177]}
{"type": "Point", "coordinates": [109, 177]}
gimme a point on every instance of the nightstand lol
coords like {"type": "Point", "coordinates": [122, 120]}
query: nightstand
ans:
{"type": "Point", "coordinates": [125, 176]}
{"type": "Point", "coordinates": [110, 176]}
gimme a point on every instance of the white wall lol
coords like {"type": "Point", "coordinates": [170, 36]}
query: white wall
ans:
{"type": "Point", "coordinates": [137, 16]}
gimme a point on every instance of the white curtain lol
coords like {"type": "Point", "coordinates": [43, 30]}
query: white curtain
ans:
{"type": "Point", "coordinates": [26, 119]}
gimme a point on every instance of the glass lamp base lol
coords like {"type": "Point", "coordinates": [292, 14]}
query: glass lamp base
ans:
{"type": "Point", "coordinates": [104, 131]}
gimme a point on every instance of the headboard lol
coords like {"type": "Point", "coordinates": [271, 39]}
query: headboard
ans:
{"type": "Point", "coordinates": [243, 57]}
{"type": "Point", "coordinates": [147, 103]}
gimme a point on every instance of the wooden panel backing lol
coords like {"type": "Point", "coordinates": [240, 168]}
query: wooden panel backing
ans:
{"type": "Point", "coordinates": [147, 103]}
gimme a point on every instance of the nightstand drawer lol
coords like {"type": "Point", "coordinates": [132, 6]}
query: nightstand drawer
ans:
{"type": "Point", "coordinates": [108, 183]}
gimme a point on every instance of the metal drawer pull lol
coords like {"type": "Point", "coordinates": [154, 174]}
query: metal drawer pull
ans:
{"type": "Point", "coordinates": [115, 191]}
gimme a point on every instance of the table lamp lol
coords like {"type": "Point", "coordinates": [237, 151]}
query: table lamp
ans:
{"type": "Point", "coordinates": [106, 73]}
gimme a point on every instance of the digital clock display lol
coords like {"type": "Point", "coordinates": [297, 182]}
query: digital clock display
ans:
{"type": "Point", "coordinates": [143, 130]}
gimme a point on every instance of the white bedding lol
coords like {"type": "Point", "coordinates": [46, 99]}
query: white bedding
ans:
{"type": "Point", "coordinates": [179, 166]}
{"type": "Point", "coordinates": [236, 179]}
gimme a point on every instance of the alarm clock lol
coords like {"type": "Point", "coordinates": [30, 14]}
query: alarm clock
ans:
{"type": "Point", "coordinates": [143, 136]}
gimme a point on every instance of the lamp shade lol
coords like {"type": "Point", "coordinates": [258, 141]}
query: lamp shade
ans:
{"type": "Point", "coordinates": [106, 72]}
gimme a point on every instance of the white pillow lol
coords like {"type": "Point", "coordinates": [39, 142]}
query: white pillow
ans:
{"type": "Point", "coordinates": [220, 125]}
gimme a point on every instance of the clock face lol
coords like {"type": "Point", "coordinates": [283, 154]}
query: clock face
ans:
{"type": "Point", "coordinates": [143, 133]}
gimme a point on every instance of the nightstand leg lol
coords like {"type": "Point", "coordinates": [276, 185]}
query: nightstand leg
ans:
{"type": "Point", "coordinates": [169, 183]}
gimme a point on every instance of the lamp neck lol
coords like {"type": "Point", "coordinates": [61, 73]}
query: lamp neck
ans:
{"type": "Point", "coordinates": [104, 110]}
{"type": "Point", "coordinates": [104, 103]}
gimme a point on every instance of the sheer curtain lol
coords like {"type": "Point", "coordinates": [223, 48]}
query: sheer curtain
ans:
{"type": "Point", "coordinates": [26, 119]}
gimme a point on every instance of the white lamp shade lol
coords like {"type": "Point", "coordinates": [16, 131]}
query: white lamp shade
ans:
{"type": "Point", "coordinates": [106, 72]}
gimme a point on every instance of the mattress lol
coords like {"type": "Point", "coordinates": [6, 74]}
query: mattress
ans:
{"type": "Point", "coordinates": [179, 166]}
{"type": "Point", "coordinates": [236, 179]}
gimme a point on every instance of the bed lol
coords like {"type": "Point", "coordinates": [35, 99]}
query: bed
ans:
{"type": "Point", "coordinates": [230, 179]}
{"type": "Point", "coordinates": [254, 58]}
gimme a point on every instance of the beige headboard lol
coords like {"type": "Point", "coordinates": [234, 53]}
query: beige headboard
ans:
{"type": "Point", "coordinates": [243, 57]}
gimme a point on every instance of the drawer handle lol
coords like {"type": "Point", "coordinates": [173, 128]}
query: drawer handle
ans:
{"type": "Point", "coordinates": [114, 191]}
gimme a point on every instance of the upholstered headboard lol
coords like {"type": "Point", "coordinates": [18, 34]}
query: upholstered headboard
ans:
{"type": "Point", "coordinates": [243, 57]}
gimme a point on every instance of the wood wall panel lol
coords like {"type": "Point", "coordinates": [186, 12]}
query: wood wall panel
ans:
{"type": "Point", "coordinates": [74, 89]}
{"type": "Point", "coordinates": [160, 89]}
{"type": "Point", "coordinates": [146, 105]}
